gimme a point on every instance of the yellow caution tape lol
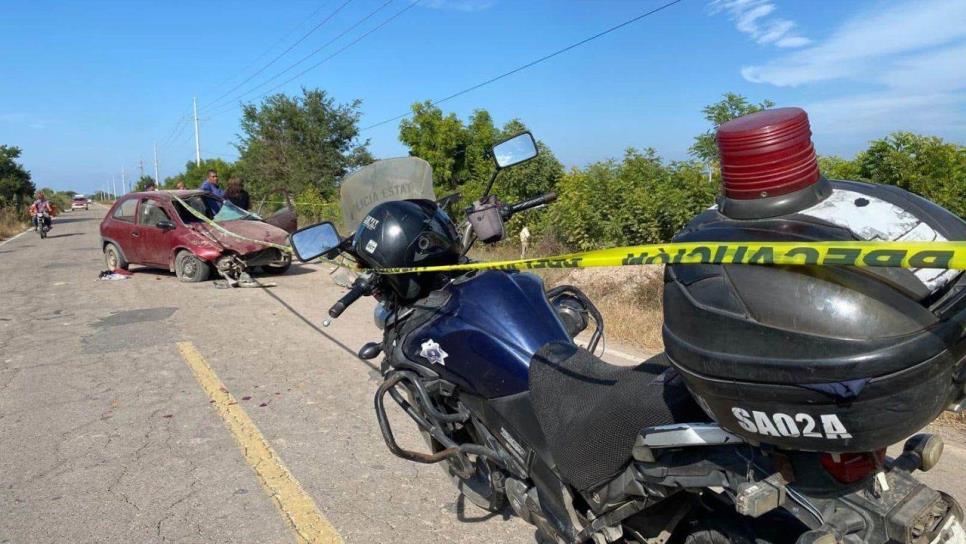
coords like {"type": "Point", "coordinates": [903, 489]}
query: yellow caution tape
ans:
{"type": "Point", "coordinates": [201, 216]}
{"type": "Point", "coordinates": [942, 255]}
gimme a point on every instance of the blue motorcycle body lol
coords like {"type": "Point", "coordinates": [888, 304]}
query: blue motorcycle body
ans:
{"type": "Point", "coordinates": [489, 325]}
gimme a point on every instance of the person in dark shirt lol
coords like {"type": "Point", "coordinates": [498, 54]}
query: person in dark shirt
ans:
{"type": "Point", "coordinates": [211, 184]}
{"type": "Point", "coordinates": [237, 194]}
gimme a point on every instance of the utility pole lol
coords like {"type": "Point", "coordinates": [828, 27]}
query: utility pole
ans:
{"type": "Point", "coordinates": [194, 104]}
{"type": "Point", "coordinates": [123, 182]}
{"type": "Point", "coordinates": [113, 187]}
{"type": "Point", "coordinates": [157, 179]}
{"type": "Point", "coordinates": [141, 167]}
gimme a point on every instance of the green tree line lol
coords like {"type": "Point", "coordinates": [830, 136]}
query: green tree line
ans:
{"type": "Point", "coordinates": [300, 147]}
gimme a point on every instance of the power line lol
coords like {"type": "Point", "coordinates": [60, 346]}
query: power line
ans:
{"type": "Point", "coordinates": [273, 46]}
{"type": "Point", "coordinates": [183, 121]}
{"type": "Point", "coordinates": [333, 55]}
{"type": "Point", "coordinates": [532, 63]}
{"type": "Point", "coordinates": [313, 53]}
{"type": "Point", "coordinates": [283, 53]}
{"type": "Point", "coordinates": [171, 135]}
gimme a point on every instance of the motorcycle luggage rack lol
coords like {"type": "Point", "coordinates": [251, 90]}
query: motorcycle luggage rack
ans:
{"type": "Point", "coordinates": [431, 423]}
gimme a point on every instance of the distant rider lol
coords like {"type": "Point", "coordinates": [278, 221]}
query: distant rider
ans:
{"type": "Point", "coordinates": [41, 208]}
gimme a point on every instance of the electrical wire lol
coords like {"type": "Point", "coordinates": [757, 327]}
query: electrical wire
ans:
{"type": "Point", "coordinates": [280, 41]}
{"type": "Point", "coordinates": [532, 63]}
{"type": "Point", "coordinates": [283, 53]}
{"type": "Point", "coordinates": [313, 53]}
{"type": "Point", "coordinates": [333, 55]}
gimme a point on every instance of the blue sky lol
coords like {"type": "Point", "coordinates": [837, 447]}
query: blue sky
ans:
{"type": "Point", "coordinates": [88, 87]}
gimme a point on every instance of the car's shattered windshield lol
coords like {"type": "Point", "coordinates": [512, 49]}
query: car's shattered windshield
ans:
{"type": "Point", "coordinates": [382, 181]}
{"type": "Point", "coordinates": [213, 208]}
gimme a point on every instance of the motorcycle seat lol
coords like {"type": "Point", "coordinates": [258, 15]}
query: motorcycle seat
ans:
{"type": "Point", "coordinates": [591, 411]}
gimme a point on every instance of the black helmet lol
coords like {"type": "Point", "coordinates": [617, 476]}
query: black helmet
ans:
{"type": "Point", "coordinates": [404, 233]}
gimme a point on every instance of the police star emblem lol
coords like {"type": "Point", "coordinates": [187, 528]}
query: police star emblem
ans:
{"type": "Point", "coordinates": [433, 352]}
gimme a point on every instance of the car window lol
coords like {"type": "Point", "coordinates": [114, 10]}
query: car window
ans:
{"type": "Point", "coordinates": [151, 213]}
{"type": "Point", "coordinates": [230, 212]}
{"type": "Point", "coordinates": [198, 204]}
{"type": "Point", "coordinates": [125, 212]}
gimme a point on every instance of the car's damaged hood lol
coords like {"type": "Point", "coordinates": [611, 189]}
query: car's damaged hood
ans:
{"type": "Point", "coordinates": [253, 230]}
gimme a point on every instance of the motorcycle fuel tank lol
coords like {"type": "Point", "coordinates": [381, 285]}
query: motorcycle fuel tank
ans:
{"type": "Point", "coordinates": [486, 330]}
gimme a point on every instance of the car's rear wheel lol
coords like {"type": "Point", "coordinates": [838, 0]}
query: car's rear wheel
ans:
{"type": "Point", "coordinates": [190, 268]}
{"type": "Point", "coordinates": [113, 258]}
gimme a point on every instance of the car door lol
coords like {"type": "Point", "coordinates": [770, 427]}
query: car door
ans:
{"type": "Point", "coordinates": [154, 242]}
{"type": "Point", "coordinates": [120, 228]}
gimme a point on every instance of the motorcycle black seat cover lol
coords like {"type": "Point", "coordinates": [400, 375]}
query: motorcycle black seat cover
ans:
{"type": "Point", "coordinates": [591, 411]}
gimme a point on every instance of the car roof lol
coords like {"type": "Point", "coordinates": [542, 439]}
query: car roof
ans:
{"type": "Point", "coordinates": [180, 194]}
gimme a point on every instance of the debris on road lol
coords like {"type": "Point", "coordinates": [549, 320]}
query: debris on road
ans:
{"type": "Point", "coordinates": [113, 275]}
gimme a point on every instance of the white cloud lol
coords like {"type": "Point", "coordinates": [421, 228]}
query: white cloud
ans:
{"type": "Point", "coordinates": [459, 5]}
{"type": "Point", "coordinates": [910, 57]}
{"type": "Point", "coordinates": [753, 17]}
{"type": "Point", "coordinates": [858, 48]}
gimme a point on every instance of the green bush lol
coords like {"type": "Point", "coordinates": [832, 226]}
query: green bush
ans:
{"type": "Point", "coordinates": [636, 201]}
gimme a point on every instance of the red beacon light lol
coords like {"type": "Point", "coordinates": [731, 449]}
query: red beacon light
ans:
{"type": "Point", "coordinates": [767, 154]}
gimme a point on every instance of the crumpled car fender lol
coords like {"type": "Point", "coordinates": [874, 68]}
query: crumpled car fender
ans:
{"type": "Point", "coordinates": [202, 247]}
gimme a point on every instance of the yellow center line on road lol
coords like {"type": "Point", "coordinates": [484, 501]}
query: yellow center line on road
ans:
{"type": "Point", "coordinates": [296, 506]}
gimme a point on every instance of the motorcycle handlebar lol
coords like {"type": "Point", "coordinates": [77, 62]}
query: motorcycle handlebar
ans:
{"type": "Point", "coordinates": [532, 203]}
{"type": "Point", "coordinates": [353, 295]}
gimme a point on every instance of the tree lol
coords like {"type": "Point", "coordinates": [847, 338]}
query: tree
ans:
{"type": "Point", "coordinates": [297, 144]}
{"type": "Point", "coordinates": [833, 167]}
{"type": "Point", "coordinates": [15, 184]}
{"type": "Point", "coordinates": [461, 158]}
{"type": "Point", "coordinates": [142, 183]}
{"type": "Point", "coordinates": [732, 106]}
{"type": "Point", "coordinates": [441, 140]}
{"type": "Point", "coordinates": [925, 165]}
{"type": "Point", "coordinates": [194, 175]}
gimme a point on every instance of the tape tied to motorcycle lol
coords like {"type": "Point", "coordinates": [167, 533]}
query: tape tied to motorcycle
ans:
{"type": "Point", "coordinates": [915, 255]}
{"type": "Point", "coordinates": [212, 223]}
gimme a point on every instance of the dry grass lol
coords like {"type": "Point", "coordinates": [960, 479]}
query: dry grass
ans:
{"type": "Point", "coordinates": [949, 419]}
{"type": "Point", "coordinates": [11, 223]}
{"type": "Point", "coordinates": [629, 298]}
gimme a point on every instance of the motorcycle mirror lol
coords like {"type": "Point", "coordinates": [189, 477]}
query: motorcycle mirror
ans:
{"type": "Point", "coordinates": [311, 242]}
{"type": "Point", "coordinates": [515, 150]}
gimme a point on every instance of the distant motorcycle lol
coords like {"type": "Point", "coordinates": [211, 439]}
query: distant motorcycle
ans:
{"type": "Point", "coordinates": [42, 224]}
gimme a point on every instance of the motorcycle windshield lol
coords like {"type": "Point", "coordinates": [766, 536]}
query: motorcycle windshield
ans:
{"type": "Point", "coordinates": [382, 181]}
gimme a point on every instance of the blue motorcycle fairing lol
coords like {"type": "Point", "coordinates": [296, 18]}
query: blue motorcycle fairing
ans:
{"type": "Point", "coordinates": [489, 327]}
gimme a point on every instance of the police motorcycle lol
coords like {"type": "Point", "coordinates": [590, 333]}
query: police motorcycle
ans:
{"type": "Point", "coordinates": [486, 365]}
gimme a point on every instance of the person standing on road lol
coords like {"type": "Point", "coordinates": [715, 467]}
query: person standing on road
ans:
{"type": "Point", "coordinates": [237, 194]}
{"type": "Point", "coordinates": [41, 208]}
{"type": "Point", "coordinates": [211, 184]}
{"type": "Point", "coordinates": [180, 186]}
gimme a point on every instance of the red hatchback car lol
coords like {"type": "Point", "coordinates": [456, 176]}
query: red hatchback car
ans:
{"type": "Point", "coordinates": [153, 229]}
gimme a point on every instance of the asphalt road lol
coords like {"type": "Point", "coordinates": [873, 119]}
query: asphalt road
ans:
{"type": "Point", "coordinates": [112, 431]}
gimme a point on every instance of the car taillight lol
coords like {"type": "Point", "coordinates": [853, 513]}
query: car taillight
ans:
{"type": "Point", "coordinates": [851, 467]}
